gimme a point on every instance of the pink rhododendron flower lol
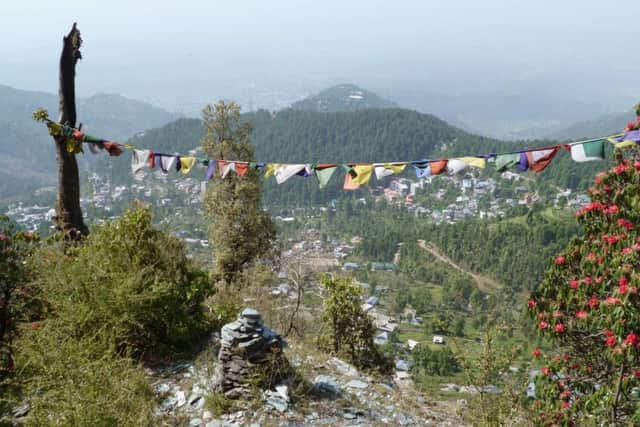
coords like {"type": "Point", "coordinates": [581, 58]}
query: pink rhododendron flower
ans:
{"type": "Point", "coordinates": [559, 328]}
{"type": "Point", "coordinates": [581, 314]}
{"type": "Point", "coordinates": [610, 341]}
{"type": "Point", "coordinates": [622, 289]}
{"type": "Point", "coordinates": [545, 371]}
{"type": "Point", "coordinates": [573, 283]}
{"type": "Point", "coordinates": [560, 260]}
{"type": "Point", "coordinates": [543, 324]}
{"type": "Point", "coordinates": [531, 303]}
{"type": "Point", "coordinates": [631, 339]}
{"type": "Point", "coordinates": [536, 352]}
{"type": "Point", "coordinates": [612, 300]}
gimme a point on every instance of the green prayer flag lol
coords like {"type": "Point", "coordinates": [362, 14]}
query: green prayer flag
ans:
{"type": "Point", "coordinates": [505, 161]}
{"type": "Point", "coordinates": [324, 175]}
{"type": "Point", "coordinates": [585, 152]}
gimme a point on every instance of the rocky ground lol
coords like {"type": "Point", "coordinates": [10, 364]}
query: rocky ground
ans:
{"type": "Point", "coordinates": [337, 394]}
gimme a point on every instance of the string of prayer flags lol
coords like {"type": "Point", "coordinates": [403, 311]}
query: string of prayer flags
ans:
{"type": "Point", "coordinates": [627, 139]}
{"type": "Point", "coordinates": [164, 161]}
{"type": "Point", "coordinates": [363, 174]}
{"type": "Point", "coordinates": [587, 151]}
{"type": "Point", "coordinates": [185, 164]}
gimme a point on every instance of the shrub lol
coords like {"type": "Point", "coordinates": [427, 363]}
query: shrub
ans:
{"type": "Point", "coordinates": [434, 362]}
{"type": "Point", "coordinates": [588, 306]}
{"type": "Point", "coordinates": [348, 331]}
{"type": "Point", "coordinates": [80, 382]}
{"type": "Point", "coordinates": [129, 281]}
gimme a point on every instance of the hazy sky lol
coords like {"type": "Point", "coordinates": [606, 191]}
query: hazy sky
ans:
{"type": "Point", "coordinates": [180, 54]}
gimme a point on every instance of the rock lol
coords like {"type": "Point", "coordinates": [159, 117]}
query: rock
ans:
{"type": "Point", "coordinates": [342, 367]}
{"type": "Point", "coordinates": [161, 388]}
{"type": "Point", "coordinates": [214, 423]}
{"type": "Point", "coordinates": [180, 398]}
{"type": "Point", "coordinates": [196, 422]}
{"type": "Point", "coordinates": [276, 401]}
{"type": "Point", "coordinates": [206, 415]}
{"type": "Point", "coordinates": [245, 345]}
{"type": "Point", "coordinates": [21, 410]}
{"type": "Point", "coordinates": [283, 391]}
{"type": "Point", "coordinates": [404, 365]}
{"type": "Point", "coordinates": [326, 386]}
{"type": "Point", "coordinates": [357, 384]}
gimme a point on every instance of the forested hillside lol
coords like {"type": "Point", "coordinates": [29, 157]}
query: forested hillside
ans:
{"type": "Point", "coordinates": [367, 136]}
{"type": "Point", "coordinates": [345, 97]}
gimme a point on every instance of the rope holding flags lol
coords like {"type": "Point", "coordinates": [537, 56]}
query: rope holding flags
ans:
{"type": "Point", "coordinates": [356, 174]}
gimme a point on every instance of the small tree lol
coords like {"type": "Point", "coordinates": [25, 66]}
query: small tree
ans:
{"type": "Point", "coordinates": [349, 332]}
{"type": "Point", "coordinates": [240, 231]}
{"type": "Point", "coordinates": [588, 306]}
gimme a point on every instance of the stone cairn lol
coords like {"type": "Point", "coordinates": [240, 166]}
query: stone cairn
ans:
{"type": "Point", "coordinates": [247, 348]}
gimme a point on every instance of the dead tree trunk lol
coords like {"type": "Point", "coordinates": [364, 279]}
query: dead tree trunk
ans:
{"type": "Point", "coordinates": [68, 212]}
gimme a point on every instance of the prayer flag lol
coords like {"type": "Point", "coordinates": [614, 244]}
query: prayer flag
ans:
{"type": "Point", "coordinates": [505, 161]}
{"type": "Point", "coordinates": [324, 175]}
{"type": "Point", "coordinates": [422, 172]}
{"type": "Point", "coordinates": [186, 163]}
{"type": "Point", "coordinates": [540, 159]}
{"type": "Point", "coordinates": [523, 163]}
{"type": "Point", "coordinates": [270, 169]}
{"type": "Point", "coordinates": [456, 166]}
{"type": "Point", "coordinates": [225, 167]}
{"type": "Point", "coordinates": [588, 151]}
{"type": "Point", "coordinates": [438, 166]}
{"type": "Point", "coordinates": [165, 161]}
{"type": "Point", "coordinates": [284, 172]}
{"type": "Point", "coordinates": [241, 168]}
{"type": "Point", "coordinates": [139, 160]}
{"type": "Point", "coordinates": [363, 174]}
{"type": "Point", "coordinates": [476, 162]}
{"type": "Point", "coordinates": [210, 170]}
{"type": "Point", "coordinates": [350, 183]}
{"type": "Point", "coordinates": [387, 169]}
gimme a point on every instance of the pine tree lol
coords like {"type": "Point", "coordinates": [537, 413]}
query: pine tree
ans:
{"type": "Point", "coordinates": [239, 230]}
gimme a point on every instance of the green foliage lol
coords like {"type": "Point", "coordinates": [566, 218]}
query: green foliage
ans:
{"type": "Point", "coordinates": [433, 362]}
{"type": "Point", "coordinates": [128, 281]}
{"type": "Point", "coordinates": [239, 230]}
{"type": "Point", "coordinates": [500, 390]}
{"type": "Point", "coordinates": [587, 306]}
{"type": "Point", "coordinates": [80, 381]}
{"type": "Point", "coordinates": [15, 248]}
{"type": "Point", "coordinates": [348, 331]}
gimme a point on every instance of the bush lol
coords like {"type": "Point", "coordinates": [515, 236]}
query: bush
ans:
{"type": "Point", "coordinates": [588, 306]}
{"type": "Point", "coordinates": [434, 362]}
{"type": "Point", "coordinates": [80, 382]}
{"type": "Point", "coordinates": [348, 331]}
{"type": "Point", "coordinates": [129, 281]}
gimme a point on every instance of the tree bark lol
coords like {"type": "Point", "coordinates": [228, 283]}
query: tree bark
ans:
{"type": "Point", "coordinates": [68, 212]}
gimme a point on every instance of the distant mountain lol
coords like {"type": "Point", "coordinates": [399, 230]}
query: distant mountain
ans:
{"type": "Point", "coordinates": [517, 116]}
{"type": "Point", "coordinates": [346, 97]}
{"type": "Point", "coordinates": [27, 156]}
{"type": "Point", "coordinates": [602, 126]}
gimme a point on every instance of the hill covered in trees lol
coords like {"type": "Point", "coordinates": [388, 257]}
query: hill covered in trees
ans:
{"type": "Point", "coordinates": [345, 97]}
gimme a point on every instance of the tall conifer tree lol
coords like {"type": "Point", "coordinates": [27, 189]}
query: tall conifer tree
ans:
{"type": "Point", "coordinates": [239, 230]}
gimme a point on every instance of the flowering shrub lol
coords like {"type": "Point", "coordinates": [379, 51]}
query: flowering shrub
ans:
{"type": "Point", "coordinates": [588, 304]}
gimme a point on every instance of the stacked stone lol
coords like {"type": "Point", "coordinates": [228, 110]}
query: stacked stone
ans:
{"type": "Point", "coordinates": [246, 345]}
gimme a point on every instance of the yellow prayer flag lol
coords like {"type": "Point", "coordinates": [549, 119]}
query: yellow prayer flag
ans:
{"type": "Point", "coordinates": [395, 167]}
{"type": "Point", "coordinates": [270, 169]}
{"type": "Point", "coordinates": [477, 162]}
{"type": "Point", "coordinates": [363, 174]}
{"type": "Point", "coordinates": [186, 163]}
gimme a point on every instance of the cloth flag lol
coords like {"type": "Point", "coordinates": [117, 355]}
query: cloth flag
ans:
{"type": "Point", "coordinates": [438, 167]}
{"type": "Point", "coordinates": [225, 167]}
{"type": "Point", "coordinates": [186, 163]}
{"type": "Point", "coordinates": [139, 159]}
{"type": "Point", "coordinates": [210, 170]}
{"type": "Point", "coordinates": [363, 174]}
{"type": "Point", "coordinates": [387, 169]}
{"type": "Point", "coordinates": [165, 161]}
{"type": "Point", "coordinates": [113, 148]}
{"type": "Point", "coordinates": [505, 161]}
{"type": "Point", "coordinates": [422, 171]}
{"type": "Point", "coordinates": [523, 163]}
{"type": "Point", "coordinates": [456, 166]}
{"type": "Point", "coordinates": [350, 183]}
{"type": "Point", "coordinates": [284, 172]}
{"type": "Point", "coordinates": [270, 169]}
{"type": "Point", "coordinates": [307, 171]}
{"type": "Point", "coordinates": [540, 159]}
{"type": "Point", "coordinates": [324, 175]}
{"type": "Point", "coordinates": [627, 139]}
{"type": "Point", "coordinates": [476, 162]}
{"type": "Point", "coordinates": [241, 168]}
{"type": "Point", "coordinates": [588, 151]}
